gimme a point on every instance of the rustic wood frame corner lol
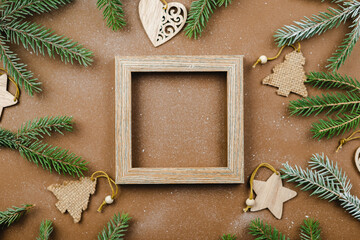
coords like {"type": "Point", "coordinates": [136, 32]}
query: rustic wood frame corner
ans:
{"type": "Point", "coordinates": [233, 173]}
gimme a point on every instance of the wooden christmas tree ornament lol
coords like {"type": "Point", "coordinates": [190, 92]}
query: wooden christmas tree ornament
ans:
{"type": "Point", "coordinates": [6, 98]}
{"type": "Point", "coordinates": [161, 20]}
{"type": "Point", "coordinates": [270, 194]}
{"type": "Point", "coordinates": [74, 196]}
{"type": "Point", "coordinates": [288, 76]}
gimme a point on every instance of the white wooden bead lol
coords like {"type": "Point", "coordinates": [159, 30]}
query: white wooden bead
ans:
{"type": "Point", "coordinates": [250, 202]}
{"type": "Point", "coordinates": [109, 199]}
{"type": "Point", "coordinates": [263, 59]}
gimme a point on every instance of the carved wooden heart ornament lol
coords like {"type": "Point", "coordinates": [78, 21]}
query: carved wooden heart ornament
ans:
{"type": "Point", "coordinates": [161, 24]}
{"type": "Point", "coordinates": [357, 159]}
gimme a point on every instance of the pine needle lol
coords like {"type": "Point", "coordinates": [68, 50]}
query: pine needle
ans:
{"type": "Point", "coordinates": [326, 180]}
{"type": "Point", "coordinates": [330, 103]}
{"type": "Point", "coordinates": [14, 9]}
{"type": "Point", "coordinates": [310, 230]}
{"type": "Point", "coordinates": [113, 13]}
{"type": "Point", "coordinates": [332, 80]}
{"type": "Point", "coordinates": [262, 230]}
{"type": "Point", "coordinates": [228, 237]}
{"type": "Point", "coordinates": [199, 15]}
{"type": "Point", "coordinates": [116, 228]}
{"type": "Point", "coordinates": [345, 106]}
{"type": "Point", "coordinates": [46, 229]}
{"type": "Point", "coordinates": [28, 142]}
{"type": "Point", "coordinates": [322, 22]}
{"type": "Point", "coordinates": [13, 214]}
{"type": "Point", "coordinates": [34, 37]}
{"type": "Point", "coordinates": [17, 70]}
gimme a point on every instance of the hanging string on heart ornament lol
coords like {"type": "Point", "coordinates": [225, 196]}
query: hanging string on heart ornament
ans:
{"type": "Point", "coordinates": [288, 76]}
{"type": "Point", "coordinates": [6, 98]}
{"type": "Point", "coordinates": [269, 194]}
{"type": "Point", "coordinates": [353, 136]}
{"type": "Point", "coordinates": [74, 196]}
{"type": "Point", "coordinates": [162, 20]}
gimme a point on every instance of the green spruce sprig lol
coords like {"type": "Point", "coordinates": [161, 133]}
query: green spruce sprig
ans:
{"type": "Point", "coordinates": [13, 214]}
{"type": "Point", "coordinates": [46, 228]}
{"type": "Point", "coordinates": [228, 237]}
{"type": "Point", "coordinates": [199, 15]}
{"type": "Point", "coordinates": [116, 228]}
{"type": "Point", "coordinates": [320, 23]}
{"type": "Point", "coordinates": [310, 230]}
{"type": "Point", "coordinates": [15, 30]}
{"type": "Point", "coordinates": [345, 106]}
{"type": "Point", "coordinates": [326, 180]}
{"type": "Point", "coordinates": [28, 141]}
{"type": "Point", "coordinates": [113, 13]}
{"type": "Point", "coordinates": [263, 230]}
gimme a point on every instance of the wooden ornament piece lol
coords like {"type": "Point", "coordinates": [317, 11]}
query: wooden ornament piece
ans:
{"type": "Point", "coordinates": [6, 98]}
{"type": "Point", "coordinates": [271, 194]}
{"type": "Point", "coordinates": [161, 24]}
{"type": "Point", "coordinates": [289, 76]}
{"type": "Point", "coordinates": [357, 159]}
{"type": "Point", "coordinates": [73, 196]}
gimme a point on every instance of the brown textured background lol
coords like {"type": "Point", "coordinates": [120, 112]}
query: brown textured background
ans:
{"type": "Point", "coordinates": [174, 211]}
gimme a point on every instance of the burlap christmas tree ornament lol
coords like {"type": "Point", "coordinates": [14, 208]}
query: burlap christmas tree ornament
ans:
{"type": "Point", "coordinates": [289, 76]}
{"type": "Point", "coordinates": [74, 196]}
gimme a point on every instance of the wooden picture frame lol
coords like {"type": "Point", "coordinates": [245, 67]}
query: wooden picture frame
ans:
{"type": "Point", "coordinates": [233, 173]}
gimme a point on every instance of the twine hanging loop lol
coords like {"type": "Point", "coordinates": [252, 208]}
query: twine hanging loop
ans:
{"type": "Point", "coordinates": [263, 59]}
{"type": "Point", "coordinates": [109, 199]}
{"type": "Point", "coordinates": [348, 139]}
{"type": "Point", "coordinates": [165, 4]}
{"type": "Point", "coordinates": [250, 201]}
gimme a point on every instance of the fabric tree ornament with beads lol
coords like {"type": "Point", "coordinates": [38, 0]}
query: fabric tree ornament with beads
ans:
{"type": "Point", "coordinates": [270, 194]}
{"type": "Point", "coordinates": [288, 76]}
{"type": "Point", "coordinates": [162, 20]}
{"type": "Point", "coordinates": [74, 196]}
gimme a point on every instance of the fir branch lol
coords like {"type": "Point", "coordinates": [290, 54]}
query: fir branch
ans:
{"type": "Point", "coordinates": [315, 25]}
{"type": "Point", "coordinates": [347, 46]}
{"type": "Point", "coordinates": [320, 23]}
{"type": "Point", "coordinates": [49, 157]}
{"type": "Point", "coordinates": [332, 80]}
{"type": "Point", "coordinates": [264, 231]}
{"type": "Point", "coordinates": [228, 237]}
{"type": "Point", "coordinates": [42, 40]}
{"type": "Point", "coordinates": [223, 2]}
{"type": "Point", "coordinates": [46, 229]}
{"type": "Point", "coordinates": [116, 228]}
{"type": "Point", "coordinates": [37, 128]}
{"type": "Point", "coordinates": [199, 15]}
{"type": "Point", "coordinates": [13, 9]}
{"type": "Point", "coordinates": [326, 180]}
{"type": "Point", "coordinates": [310, 230]}
{"type": "Point", "coordinates": [329, 128]}
{"type": "Point", "coordinates": [13, 214]}
{"type": "Point", "coordinates": [346, 105]}
{"type": "Point", "coordinates": [17, 70]}
{"type": "Point", "coordinates": [113, 13]}
{"type": "Point", "coordinates": [327, 102]}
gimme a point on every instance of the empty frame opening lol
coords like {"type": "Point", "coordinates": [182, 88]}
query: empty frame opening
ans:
{"type": "Point", "coordinates": [179, 119]}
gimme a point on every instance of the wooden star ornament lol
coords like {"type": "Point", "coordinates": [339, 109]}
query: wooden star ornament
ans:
{"type": "Point", "coordinates": [6, 98]}
{"type": "Point", "coordinates": [271, 195]}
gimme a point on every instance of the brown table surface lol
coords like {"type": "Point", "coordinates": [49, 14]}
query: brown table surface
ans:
{"type": "Point", "coordinates": [174, 211]}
